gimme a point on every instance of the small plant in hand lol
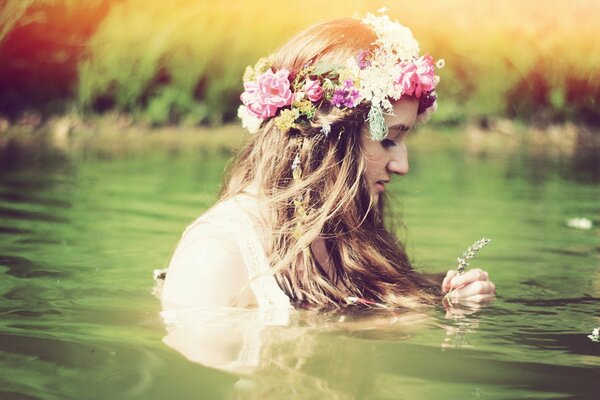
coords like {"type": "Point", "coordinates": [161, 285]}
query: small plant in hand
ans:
{"type": "Point", "coordinates": [463, 262]}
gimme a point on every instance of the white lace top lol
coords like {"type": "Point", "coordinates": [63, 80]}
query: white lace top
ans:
{"type": "Point", "coordinates": [237, 217]}
{"type": "Point", "coordinates": [189, 328]}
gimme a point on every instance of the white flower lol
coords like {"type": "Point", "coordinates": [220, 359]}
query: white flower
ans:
{"type": "Point", "coordinates": [249, 120]}
{"type": "Point", "coordinates": [579, 223]}
{"type": "Point", "coordinates": [395, 45]}
{"type": "Point", "coordinates": [393, 36]}
{"type": "Point", "coordinates": [595, 336]}
{"type": "Point", "coordinates": [326, 129]}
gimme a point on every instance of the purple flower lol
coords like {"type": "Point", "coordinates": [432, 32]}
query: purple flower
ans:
{"type": "Point", "coordinates": [346, 97]}
{"type": "Point", "coordinates": [338, 98]}
{"type": "Point", "coordinates": [352, 98]}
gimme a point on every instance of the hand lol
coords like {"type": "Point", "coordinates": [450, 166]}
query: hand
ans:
{"type": "Point", "coordinates": [473, 285]}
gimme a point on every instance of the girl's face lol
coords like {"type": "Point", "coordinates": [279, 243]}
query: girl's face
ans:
{"type": "Point", "coordinates": [390, 156]}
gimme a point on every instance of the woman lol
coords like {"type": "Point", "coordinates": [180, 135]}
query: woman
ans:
{"type": "Point", "coordinates": [300, 219]}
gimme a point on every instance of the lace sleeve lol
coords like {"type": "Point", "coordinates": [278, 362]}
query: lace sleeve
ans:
{"type": "Point", "coordinates": [262, 281]}
{"type": "Point", "coordinates": [232, 218]}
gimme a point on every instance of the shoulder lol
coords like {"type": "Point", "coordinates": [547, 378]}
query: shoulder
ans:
{"type": "Point", "coordinates": [207, 269]}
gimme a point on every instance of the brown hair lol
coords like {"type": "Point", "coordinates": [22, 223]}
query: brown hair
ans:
{"type": "Point", "coordinates": [364, 258]}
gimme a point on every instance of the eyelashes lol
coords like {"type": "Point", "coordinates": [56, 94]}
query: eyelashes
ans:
{"type": "Point", "coordinates": [387, 143]}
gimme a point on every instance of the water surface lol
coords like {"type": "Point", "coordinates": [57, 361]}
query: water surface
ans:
{"type": "Point", "coordinates": [81, 232]}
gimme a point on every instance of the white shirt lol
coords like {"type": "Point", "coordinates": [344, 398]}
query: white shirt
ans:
{"type": "Point", "coordinates": [220, 261]}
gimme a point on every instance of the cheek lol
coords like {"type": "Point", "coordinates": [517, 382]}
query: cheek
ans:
{"type": "Point", "coordinates": [373, 164]}
{"type": "Point", "coordinates": [374, 156]}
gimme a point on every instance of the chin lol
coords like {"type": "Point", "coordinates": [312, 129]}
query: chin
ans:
{"type": "Point", "coordinates": [375, 198]}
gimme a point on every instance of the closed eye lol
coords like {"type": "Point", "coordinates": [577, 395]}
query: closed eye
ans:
{"type": "Point", "coordinates": [387, 143]}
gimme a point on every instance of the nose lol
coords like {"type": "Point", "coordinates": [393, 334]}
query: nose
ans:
{"type": "Point", "coordinates": [398, 164]}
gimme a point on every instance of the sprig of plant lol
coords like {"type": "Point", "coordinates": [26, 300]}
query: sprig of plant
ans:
{"type": "Point", "coordinates": [463, 261]}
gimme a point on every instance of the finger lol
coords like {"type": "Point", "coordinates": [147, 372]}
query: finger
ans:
{"type": "Point", "coordinates": [446, 282]}
{"type": "Point", "coordinates": [474, 289]}
{"type": "Point", "coordinates": [468, 277]}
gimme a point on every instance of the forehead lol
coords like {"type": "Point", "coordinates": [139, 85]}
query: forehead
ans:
{"type": "Point", "coordinates": [405, 113]}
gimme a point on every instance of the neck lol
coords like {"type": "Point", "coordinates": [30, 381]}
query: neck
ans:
{"type": "Point", "coordinates": [319, 250]}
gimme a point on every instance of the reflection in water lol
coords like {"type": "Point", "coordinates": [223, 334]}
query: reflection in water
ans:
{"type": "Point", "coordinates": [464, 322]}
{"type": "Point", "coordinates": [225, 338]}
{"type": "Point", "coordinates": [281, 352]}
{"type": "Point", "coordinates": [585, 164]}
{"type": "Point", "coordinates": [31, 157]}
{"type": "Point", "coordinates": [351, 353]}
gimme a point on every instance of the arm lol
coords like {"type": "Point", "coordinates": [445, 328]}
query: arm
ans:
{"type": "Point", "coordinates": [206, 270]}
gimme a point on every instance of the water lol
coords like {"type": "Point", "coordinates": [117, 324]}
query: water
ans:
{"type": "Point", "coordinates": [82, 230]}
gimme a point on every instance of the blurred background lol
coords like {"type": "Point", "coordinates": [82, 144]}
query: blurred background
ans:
{"type": "Point", "coordinates": [117, 119]}
{"type": "Point", "coordinates": [181, 62]}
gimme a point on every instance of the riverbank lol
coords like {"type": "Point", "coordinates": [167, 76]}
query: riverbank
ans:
{"type": "Point", "coordinates": [119, 134]}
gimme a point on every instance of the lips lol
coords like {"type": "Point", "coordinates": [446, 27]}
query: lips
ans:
{"type": "Point", "coordinates": [382, 184]}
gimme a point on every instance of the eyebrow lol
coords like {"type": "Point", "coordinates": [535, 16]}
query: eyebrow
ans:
{"type": "Point", "coordinates": [401, 127]}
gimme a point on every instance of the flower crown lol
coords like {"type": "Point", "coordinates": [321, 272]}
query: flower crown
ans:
{"type": "Point", "coordinates": [373, 78]}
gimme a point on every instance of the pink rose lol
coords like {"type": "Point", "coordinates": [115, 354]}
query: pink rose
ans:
{"type": "Point", "coordinates": [254, 104]}
{"type": "Point", "coordinates": [313, 90]}
{"type": "Point", "coordinates": [274, 88]}
{"type": "Point", "coordinates": [426, 73]}
{"type": "Point", "coordinates": [417, 78]}
{"type": "Point", "coordinates": [270, 92]}
{"type": "Point", "coordinates": [407, 79]}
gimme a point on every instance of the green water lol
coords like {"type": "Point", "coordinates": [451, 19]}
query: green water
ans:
{"type": "Point", "coordinates": [82, 230]}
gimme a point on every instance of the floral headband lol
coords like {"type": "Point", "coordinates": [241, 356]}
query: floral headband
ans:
{"type": "Point", "coordinates": [373, 78]}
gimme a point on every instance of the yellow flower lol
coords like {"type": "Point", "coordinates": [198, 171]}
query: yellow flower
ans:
{"type": "Point", "coordinates": [305, 107]}
{"type": "Point", "coordinates": [252, 72]}
{"type": "Point", "coordinates": [287, 119]}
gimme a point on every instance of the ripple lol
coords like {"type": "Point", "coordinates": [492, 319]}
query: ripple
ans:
{"type": "Point", "coordinates": [45, 241]}
{"type": "Point", "coordinates": [28, 313]}
{"type": "Point", "coordinates": [569, 252]}
{"type": "Point", "coordinates": [13, 197]}
{"type": "Point", "coordinates": [555, 302]}
{"type": "Point", "coordinates": [4, 394]}
{"type": "Point", "coordinates": [486, 368]}
{"type": "Point", "coordinates": [22, 267]}
{"type": "Point", "coordinates": [30, 183]}
{"type": "Point", "coordinates": [573, 343]}
{"type": "Point", "coordinates": [14, 231]}
{"type": "Point", "coordinates": [50, 349]}
{"type": "Point", "coordinates": [29, 215]}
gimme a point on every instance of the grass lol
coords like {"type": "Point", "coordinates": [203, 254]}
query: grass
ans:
{"type": "Point", "coordinates": [168, 63]}
{"type": "Point", "coordinates": [181, 62]}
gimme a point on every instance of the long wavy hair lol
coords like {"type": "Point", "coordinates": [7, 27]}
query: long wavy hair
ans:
{"type": "Point", "coordinates": [365, 259]}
